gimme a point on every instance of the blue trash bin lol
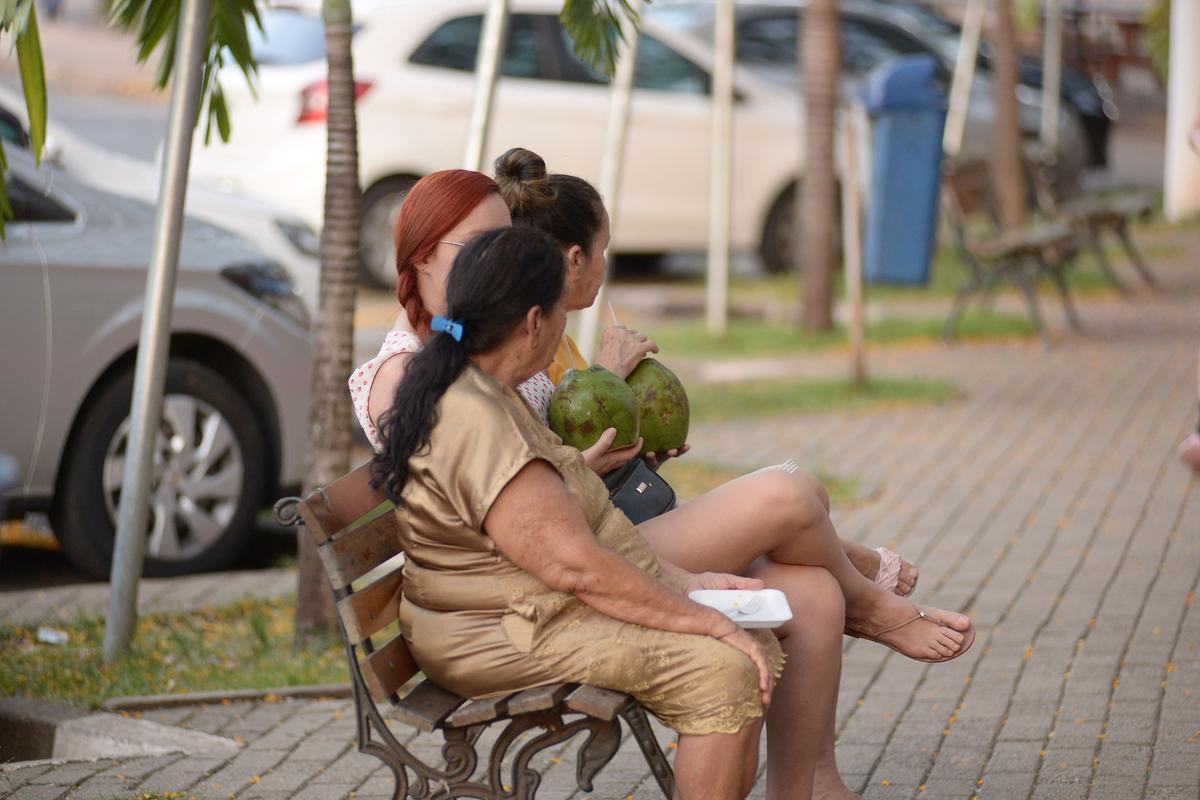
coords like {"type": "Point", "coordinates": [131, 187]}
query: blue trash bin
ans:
{"type": "Point", "coordinates": [908, 107]}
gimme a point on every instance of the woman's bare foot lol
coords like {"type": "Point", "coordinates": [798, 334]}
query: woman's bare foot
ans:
{"type": "Point", "coordinates": [919, 632]}
{"type": "Point", "coordinates": [869, 561]}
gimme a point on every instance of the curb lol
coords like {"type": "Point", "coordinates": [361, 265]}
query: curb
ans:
{"type": "Point", "coordinates": [331, 691]}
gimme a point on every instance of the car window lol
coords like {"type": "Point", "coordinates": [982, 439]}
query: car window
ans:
{"type": "Point", "coordinates": [771, 39]}
{"type": "Point", "coordinates": [659, 68]}
{"type": "Point", "coordinates": [31, 205]}
{"type": "Point", "coordinates": [768, 40]}
{"type": "Point", "coordinates": [866, 45]}
{"type": "Point", "coordinates": [288, 37]}
{"type": "Point", "coordinates": [455, 45]}
{"type": "Point", "coordinates": [11, 129]}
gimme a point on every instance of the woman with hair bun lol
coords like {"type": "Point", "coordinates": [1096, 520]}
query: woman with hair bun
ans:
{"type": "Point", "coordinates": [571, 210]}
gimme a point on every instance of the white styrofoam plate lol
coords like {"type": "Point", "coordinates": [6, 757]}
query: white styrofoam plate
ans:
{"type": "Point", "coordinates": [749, 608]}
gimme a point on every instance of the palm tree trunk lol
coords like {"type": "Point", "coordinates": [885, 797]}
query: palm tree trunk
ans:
{"type": "Point", "coordinates": [820, 62]}
{"type": "Point", "coordinates": [1008, 176]}
{"type": "Point", "coordinates": [332, 414]}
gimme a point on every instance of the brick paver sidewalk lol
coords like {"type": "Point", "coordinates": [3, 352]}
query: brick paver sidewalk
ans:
{"type": "Point", "coordinates": [1047, 502]}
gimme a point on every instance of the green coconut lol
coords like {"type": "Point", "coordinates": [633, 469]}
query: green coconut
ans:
{"type": "Point", "coordinates": [664, 406]}
{"type": "Point", "coordinates": [588, 402]}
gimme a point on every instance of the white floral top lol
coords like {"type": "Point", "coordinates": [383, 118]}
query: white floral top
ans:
{"type": "Point", "coordinates": [536, 391]}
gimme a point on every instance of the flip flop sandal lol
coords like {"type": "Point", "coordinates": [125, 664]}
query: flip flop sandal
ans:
{"type": "Point", "coordinates": [873, 636]}
{"type": "Point", "coordinates": [888, 574]}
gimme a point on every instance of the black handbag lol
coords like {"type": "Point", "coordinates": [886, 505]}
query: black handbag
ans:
{"type": "Point", "coordinates": [639, 491]}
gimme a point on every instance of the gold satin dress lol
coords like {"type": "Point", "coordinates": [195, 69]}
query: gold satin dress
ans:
{"type": "Point", "coordinates": [479, 625]}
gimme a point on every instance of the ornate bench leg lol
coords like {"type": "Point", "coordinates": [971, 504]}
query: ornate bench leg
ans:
{"type": "Point", "coordinates": [1057, 272]}
{"type": "Point", "coordinates": [1134, 254]}
{"type": "Point", "coordinates": [1093, 237]}
{"type": "Point", "coordinates": [639, 724]}
{"type": "Point", "coordinates": [1022, 280]}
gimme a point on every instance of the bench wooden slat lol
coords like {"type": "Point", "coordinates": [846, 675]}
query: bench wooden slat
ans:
{"type": "Point", "coordinates": [1008, 244]}
{"type": "Point", "coordinates": [427, 706]}
{"type": "Point", "coordinates": [329, 510]}
{"type": "Point", "coordinates": [388, 668]}
{"type": "Point", "coordinates": [596, 702]}
{"type": "Point", "coordinates": [373, 607]}
{"type": "Point", "coordinates": [354, 553]}
{"type": "Point", "coordinates": [539, 698]}
{"type": "Point", "coordinates": [477, 711]}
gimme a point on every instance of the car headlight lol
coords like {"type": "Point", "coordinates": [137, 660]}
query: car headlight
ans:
{"type": "Point", "coordinates": [301, 235]}
{"type": "Point", "coordinates": [269, 283]}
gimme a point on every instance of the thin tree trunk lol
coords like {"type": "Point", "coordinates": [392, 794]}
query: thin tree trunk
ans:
{"type": "Point", "coordinates": [332, 414]}
{"type": "Point", "coordinates": [1008, 176]}
{"type": "Point", "coordinates": [820, 62]}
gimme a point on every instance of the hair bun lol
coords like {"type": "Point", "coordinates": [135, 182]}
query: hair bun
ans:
{"type": "Point", "coordinates": [523, 181]}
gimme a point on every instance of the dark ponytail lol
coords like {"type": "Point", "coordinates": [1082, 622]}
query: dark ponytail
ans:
{"type": "Point", "coordinates": [494, 282]}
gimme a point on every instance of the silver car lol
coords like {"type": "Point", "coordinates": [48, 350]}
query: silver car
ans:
{"type": "Point", "coordinates": [235, 418]}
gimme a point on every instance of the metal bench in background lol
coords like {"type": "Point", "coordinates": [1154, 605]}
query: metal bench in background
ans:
{"type": "Point", "coordinates": [992, 255]}
{"type": "Point", "coordinates": [1093, 214]}
{"type": "Point", "coordinates": [358, 538]}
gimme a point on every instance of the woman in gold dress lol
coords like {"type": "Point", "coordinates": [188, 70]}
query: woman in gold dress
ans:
{"type": "Point", "coordinates": [519, 570]}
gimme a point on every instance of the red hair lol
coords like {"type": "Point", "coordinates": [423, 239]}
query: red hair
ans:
{"type": "Point", "coordinates": [434, 205]}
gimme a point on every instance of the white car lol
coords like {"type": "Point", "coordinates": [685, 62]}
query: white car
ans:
{"type": "Point", "coordinates": [414, 61]}
{"type": "Point", "coordinates": [283, 237]}
{"type": "Point", "coordinates": [414, 64]}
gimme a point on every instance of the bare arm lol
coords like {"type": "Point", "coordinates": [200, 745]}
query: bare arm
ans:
{"type": "Point", "coordinates": [536, 523]}
{"type": "Point", "coordinates": [383, 388]}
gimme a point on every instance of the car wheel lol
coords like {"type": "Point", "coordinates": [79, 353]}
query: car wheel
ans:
{"type": "Point", "coordinates": [636, 264]}
{"type": "Point", "coordinates": [381, 204]}
{"type": "Point", "coordinates": [781, 241]}
{"type": "Point", "coordinates": [210, 475]}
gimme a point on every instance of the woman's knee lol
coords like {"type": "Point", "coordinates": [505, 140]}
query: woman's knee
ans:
{"type": "Point", "coordinates": [825, 596]}
{"type": "Point", "coordinates": [799, 498]}
{"type": "Point", "coordinates": [812, 590]}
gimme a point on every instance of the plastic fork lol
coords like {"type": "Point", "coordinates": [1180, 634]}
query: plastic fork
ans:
{"type": "Point", "coordinates": [748, 603]}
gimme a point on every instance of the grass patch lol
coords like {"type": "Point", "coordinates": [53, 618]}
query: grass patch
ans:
{"type": "Point", "coordinates": [749, 399]}
{"type": "Point", "coordinates": [246, 645]}
{"type": "Point", "coordinates": [691, 477]}
{"type": "Point", "coordinates": [690, 337]}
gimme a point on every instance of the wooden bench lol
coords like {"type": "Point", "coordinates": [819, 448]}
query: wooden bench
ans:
{"type": "Point", "coordinates": [993, 255]}
{"type": "Point", "coordinates": [358, 538]}
{"type": "Point", "coordinates": [1092, 214]}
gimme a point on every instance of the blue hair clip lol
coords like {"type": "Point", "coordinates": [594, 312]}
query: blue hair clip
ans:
{"type": "Point", "coordinates": [444, 325]}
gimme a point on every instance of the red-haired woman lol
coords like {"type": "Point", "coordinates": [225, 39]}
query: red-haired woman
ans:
{"type": "Point", "coordinates": [774, 526]}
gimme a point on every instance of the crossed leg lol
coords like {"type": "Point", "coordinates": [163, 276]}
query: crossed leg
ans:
{"type": "Point", "coordinates": [785, 517]}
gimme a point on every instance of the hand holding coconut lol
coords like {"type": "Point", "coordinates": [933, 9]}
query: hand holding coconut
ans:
{"type": "Point", "coordinates": [602, 458]}
{"type": "Point", "coordinates": [622, 349]}
{"type": "Point", "coordinates": [592, 410]}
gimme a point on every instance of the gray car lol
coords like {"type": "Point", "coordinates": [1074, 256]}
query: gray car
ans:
{"type": "Point", "coordinates": [235, 418]}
